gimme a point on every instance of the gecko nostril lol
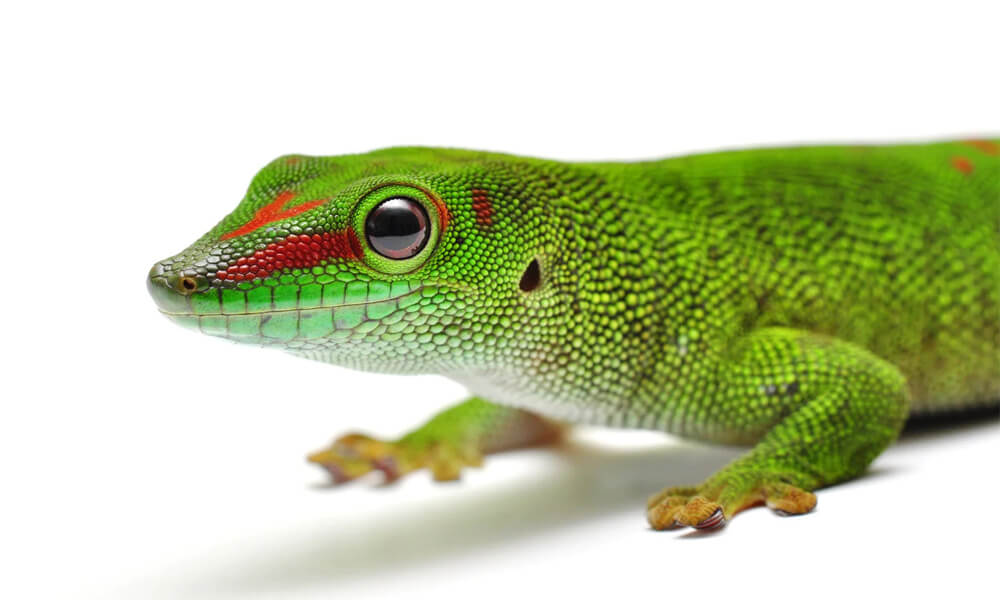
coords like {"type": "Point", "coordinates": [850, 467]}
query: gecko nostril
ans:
{"type": "Point", "coordinates": [188, 284]}
{"type": "Point", "coordinates": [168, 290]}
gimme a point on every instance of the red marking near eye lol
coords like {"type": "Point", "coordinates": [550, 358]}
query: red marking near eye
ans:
{"type": "Point", "coordinates": [991, 148]}
{"type": "Point", "coordinates": [962, 165]}
{"type": "Point", "coordinates": [483, 208]}
{"type": "Point", "coordinates": [294, 252]}
{"type": "Point", "coordinates": [443, 211]}
{"type": "Point", "coordinates": [275, 211]}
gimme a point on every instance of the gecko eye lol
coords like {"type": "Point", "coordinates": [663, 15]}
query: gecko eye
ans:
{"type": "Point", "coordinates": [397, 228]}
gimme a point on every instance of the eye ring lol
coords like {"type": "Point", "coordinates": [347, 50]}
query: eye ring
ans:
{"type": "Point", "coordinates": [398, 228]}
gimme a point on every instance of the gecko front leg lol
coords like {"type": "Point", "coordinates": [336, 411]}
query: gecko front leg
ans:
{"type": "Point", "coordinates": [824, 408]}
{"type": "Point", "coordinates": [455, 438]}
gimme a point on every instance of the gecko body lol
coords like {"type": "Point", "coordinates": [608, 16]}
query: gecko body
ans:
{"type": "Point", "coordinates": [803, 301]}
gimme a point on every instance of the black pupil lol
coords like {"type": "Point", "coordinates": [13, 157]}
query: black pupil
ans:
{"type": "Point", "coordinates": [397, 228]}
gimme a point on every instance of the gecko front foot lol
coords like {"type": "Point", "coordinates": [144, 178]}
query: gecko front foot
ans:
{"type": "Point", "coordinates": [456, 438]}
{"type": "Point", "coordinates": [354, 455]}
{"type": "Point", "coordinates": [712, 504]}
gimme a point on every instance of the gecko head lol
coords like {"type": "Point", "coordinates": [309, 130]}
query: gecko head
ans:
{"type": "Point", "coordinates": [401, 260]}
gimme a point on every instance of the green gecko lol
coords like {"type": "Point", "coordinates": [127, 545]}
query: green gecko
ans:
{"type": "Point", "coordinates": [804, 301]}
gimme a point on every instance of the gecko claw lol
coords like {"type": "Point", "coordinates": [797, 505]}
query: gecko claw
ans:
{"type": "Point", "coordinates": [717, 520]}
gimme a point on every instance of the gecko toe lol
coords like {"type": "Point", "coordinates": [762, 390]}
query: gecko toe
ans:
{"type": "Point", "coordinates": [788, 500]}
{"type": "Point", "coordinates": [337, 475]}
{"type": "Point", "coordinates": [717, 520]}
{"type": "Point", "coordinates": [389, 467]}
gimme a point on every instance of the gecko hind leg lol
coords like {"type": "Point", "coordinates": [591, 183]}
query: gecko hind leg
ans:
{"type": "Point", "coordinates": [456, 438]}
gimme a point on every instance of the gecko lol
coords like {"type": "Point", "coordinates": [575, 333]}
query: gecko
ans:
{"type": "Point", "coordinates": [802, 301]}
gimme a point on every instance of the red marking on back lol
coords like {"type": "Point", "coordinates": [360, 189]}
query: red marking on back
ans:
{"type": "Point", "coordinates": [294, 252]}
{"type": "Point", "coordinates": [963, 165]}
{"type": "Point", "coordinates": [275, 211]}
{"type": "Point", "coordinates": [991, 148]}
{"type": "Point", "coordinates": [483, 208]}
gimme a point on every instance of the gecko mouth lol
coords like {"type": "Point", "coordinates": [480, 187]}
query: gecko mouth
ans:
{"type": "Point", "coordinates": [336, 308]}
{"type": "Point", "coordinates": [300, 309]}
{"type": "Point", "coordinates": [275, 325]}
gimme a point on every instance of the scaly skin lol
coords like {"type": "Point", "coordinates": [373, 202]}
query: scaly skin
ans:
{"type": "Point", "coordinates": [800, 300]}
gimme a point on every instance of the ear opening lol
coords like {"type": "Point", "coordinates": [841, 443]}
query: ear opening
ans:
{"type": "Point", "coordinates": [532, 277]}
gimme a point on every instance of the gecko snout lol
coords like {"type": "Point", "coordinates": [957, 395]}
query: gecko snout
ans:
{"type": "Point", "coordinates": [170, 290]}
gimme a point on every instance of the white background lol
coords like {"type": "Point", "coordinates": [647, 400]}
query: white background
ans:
{"type": "Point", "coordinates": [142, 461]}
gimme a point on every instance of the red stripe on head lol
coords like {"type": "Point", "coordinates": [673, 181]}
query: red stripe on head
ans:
{"type": "Point", "coordinates": [275, 211]}
{"type": "Point", "coordinates": [991, 148]}
{"type": "Point", "coordinates": [483, 208]}
{"type": "Point", "coordinates": [294, 252]}
{"type": "Point", "coordinates": [963, 165]}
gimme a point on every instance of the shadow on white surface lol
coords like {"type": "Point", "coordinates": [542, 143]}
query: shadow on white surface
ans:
{"type": "Point", "coordinates": [586, 483]}
{"type": "Point", "coordinates": [364, 536]}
